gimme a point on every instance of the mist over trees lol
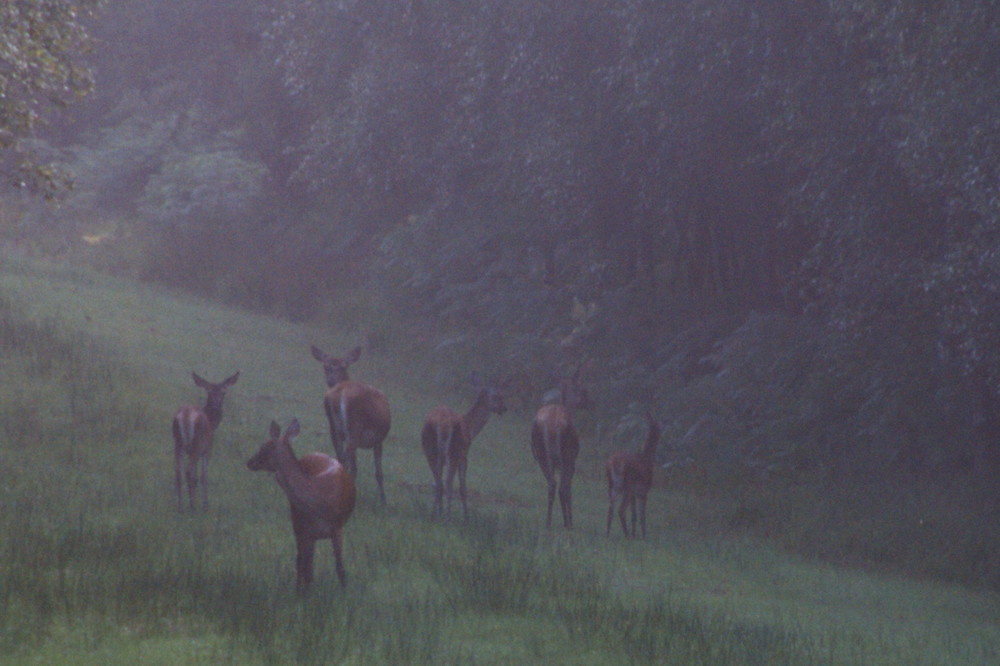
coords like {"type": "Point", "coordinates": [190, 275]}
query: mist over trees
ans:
{"type": "Point", "coordinates": [775, 221]}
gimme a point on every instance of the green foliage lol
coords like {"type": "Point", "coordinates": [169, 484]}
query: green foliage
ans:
{"type": "Point", "coordinates": [779, 396]}
{"type": "Point", "coordinates": [113, 168]}
{"type": "Point", "coordinates": [41, 44]}
{"type": "Point", "coordinates": [217, 185]}
{"type": "Point", "coordinates": [775, 222]}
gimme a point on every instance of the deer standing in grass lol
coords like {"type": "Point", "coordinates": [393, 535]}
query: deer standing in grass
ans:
{"type": "Point", "coordinates": [630, 476]}
{"type": "Point", "coordinates": [447, 436]}
{"type": "Point", "coordinates": [358, 414]}
{"type": "Point", "coordinates": [320, 493]}
{"type": "Point", "coordinates": [193, 431]}
{"type": "Point", "coordinates": [555, 443]}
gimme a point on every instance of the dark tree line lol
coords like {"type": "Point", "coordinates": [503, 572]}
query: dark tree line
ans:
{"type": "Point", "coordinates": [773, 217]}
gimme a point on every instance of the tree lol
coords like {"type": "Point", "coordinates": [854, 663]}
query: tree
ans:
{"type": "Point", "coordinates": [41, 47]}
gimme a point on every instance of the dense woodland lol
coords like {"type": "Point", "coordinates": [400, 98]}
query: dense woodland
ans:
{"type": "Point", "coordinates": [775, 223]}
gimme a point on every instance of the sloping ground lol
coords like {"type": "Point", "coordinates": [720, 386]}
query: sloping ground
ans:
{"type": "Point", "coordinates": [99, 567]}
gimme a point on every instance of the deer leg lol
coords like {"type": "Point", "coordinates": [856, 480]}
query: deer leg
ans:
{"type": "Point", "coordinates": [351, 459]}
{"type": "Point", "coordinates": [566, 494]}
{"type": "Point", "coordinates": [550, 477]}
{"type": "Point", "coordinates": [338, 434]}
{"type": "Point", "coordinates": [642, 514]}
{"type": "Point", "coordinates": [178, 483]}
{"type": "Point", "coordinates": [462, 491]}
{"type": "Point", "coordinates": [305, 547]}
{"type": "Point", "coordinates": [191, 476]}
{"type": "Point", "coordinates": [377, 451]}
{"type": "Point", "coordinates": [566, 499]}
{"type": "Point", "coordinates": [438, 487]}
{"type": "Point", "coordinates": [449, 485]}
{"type": "Point", "coordinates": [540, 451]}
{"type": "Point", "coordinates": [204, 482]}
{"type": "Point", "coordinates": [612, 497]}
{"type": "Point", "coordinates": [338, 555]}
{"type": "Point", "coordinates": [622, 508]}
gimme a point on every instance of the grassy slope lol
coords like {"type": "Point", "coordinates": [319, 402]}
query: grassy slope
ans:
{"type": "Point", "coordinates": [126, 578]}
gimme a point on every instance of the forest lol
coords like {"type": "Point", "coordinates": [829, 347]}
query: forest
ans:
{"type": "Point", "coordinates": [774, 224]}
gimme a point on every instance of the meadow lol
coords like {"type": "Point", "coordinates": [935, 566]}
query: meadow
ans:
{"type": "Point", "coordinates": [98, 566]}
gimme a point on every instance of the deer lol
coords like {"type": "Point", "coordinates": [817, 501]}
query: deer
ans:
{"type": "Point", "coordinates": [555, 443]}
{"type": "Point", "coordinates": [321, 495]}
{"type": "Point", "coordinates": [447, 436]}
{"type": "Point", "coordinates": [358, 414]}
{"type": "Point", "coordinates": [630, 477]}
{"type": "Point", "coordinates": [194, 430]}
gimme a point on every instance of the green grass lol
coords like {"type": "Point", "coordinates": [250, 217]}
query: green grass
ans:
{"type": "Point", "coordinates": [97, 566]}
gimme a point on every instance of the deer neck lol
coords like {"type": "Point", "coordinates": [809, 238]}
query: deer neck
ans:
{"type": "Point", "coordinates": [288, 474]}
{"type": "Point", "coordinates": [569, 398]}
{"type": "Point", "coordinates": [294, 481]}
{"type": "Point", "coordinates": [477, 416]}
{"type": "Point", "coordinates": [214, 414]}
{"type": "Point", "coordinates": [648, 451]}
{"type": "Point", "coordinates": [334, 378]}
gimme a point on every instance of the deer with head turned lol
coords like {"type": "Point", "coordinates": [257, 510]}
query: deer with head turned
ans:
{"type": "Point", "coordinates": [447, 436]}
{"type": "Point", "coordinates": [358, 414]}
{"type": "Point", "coordinates": [630, 477]}
{"type": "Point", "coordinates": [555, 443]}
{"type": "Point", "coordinates": [320, 493]}
{"type": "Point", "coordinates": [193, 431]}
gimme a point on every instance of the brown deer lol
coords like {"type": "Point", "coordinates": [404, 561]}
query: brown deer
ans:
{"type": "Point", "coordinates": [630, 476]}
{"type": "Point", "coordinates": [358, 414]}
{"type": "Point", "coordinates": [447, 436]}
{"type": "Point", "coordinates": [194, 430]}
{"type": "Point", "coordinates": [555, 444]}
{"type": "Point", "coordinates": [320, 493]}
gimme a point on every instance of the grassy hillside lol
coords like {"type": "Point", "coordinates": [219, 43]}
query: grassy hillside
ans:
{"type": "Point", "coordinates": [97, 566]}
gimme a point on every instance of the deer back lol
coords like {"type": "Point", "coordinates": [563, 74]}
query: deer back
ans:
{"type": "Point", "coordinates": [362, 410]}
{"type": "Point", "coordinates": [633, 471]}
{"type": "Point", "coordinates": [445, 433]}
{"type": "Point", "coordinates": [192, 431]}
{"type": "Point", "coordinates": [489, 400]}
{"type": "Point", "coordinates": [553, 431]}
{"type": "Point", "coordinates": [333, 483]}
{"type": "Point", "coordinates": [319, 489]}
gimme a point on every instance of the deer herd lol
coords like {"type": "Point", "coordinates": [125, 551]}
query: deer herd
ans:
{"type": "Point", "coordinates": [321, 489]}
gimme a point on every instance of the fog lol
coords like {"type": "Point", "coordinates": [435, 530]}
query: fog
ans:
{"type": "Point", "coordinates": [775, 222]}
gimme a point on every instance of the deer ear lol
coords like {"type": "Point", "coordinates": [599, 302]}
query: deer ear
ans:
{"type": "Point", "coordinates": [198, 381]}
{"type": "Point", "coordinates": [275, 430]}
{"type": "Point", "coordinates": [232, 380]}
{"type": "Point", "coordinates": [292, 430]}
{"type": "Point", "coordinates": [317, 353]}
{"type": "Point", "coordinates": [354, 355]}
